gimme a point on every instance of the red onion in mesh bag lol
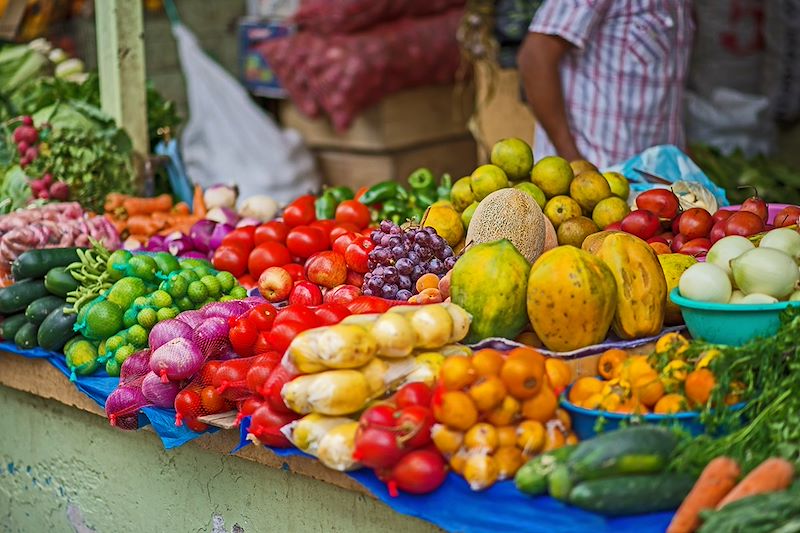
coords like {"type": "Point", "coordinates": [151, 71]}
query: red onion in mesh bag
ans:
{"type": "Point", "coordinates": [176, 360]}
{"type": "Point", "coordinates": [135, 367]}
{"type": "Point", "coordinates": [192, 318]}
{"type": "Point", "coordinates": [167, 330]}
{"type": "Point", "coordinates": [123, 405]}
{"type": "Point", "coordinates": [211, 337]}
{"type": "Point", "coordinates": [158, 393]}
{"type": "Point", "coordinates": [232, 309]}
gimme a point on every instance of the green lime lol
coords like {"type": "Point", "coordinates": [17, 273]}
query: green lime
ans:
{"type": "Point", "coordinates": [113, 368]}
{"type": "Point", "coordinates": [188, 264]}
{"type": "Point", "coordinates": [117, 264]}
{"type": "Point", "coordinates": [201, 271]}
{"type": "Point", "coordinates": [141, 301]}
{"type": "Point", "coordinates": [113, 343]}
{"type": "Point", "coordinates": [147, 317]}
{"type": "Point", "coordinates": [130, 317]}
{"type": "Point", "coordinates": [197, 292]}
{"type": "Point", "coordinates": [144, 267]}
{"type": "Point", "coordinates": [123, 353]}
{"type": "Point", "coordinates": [125, 291]}
{"type": "Point", "coordinates": [137, 336]}
{"type": "Point", "coordinates": [101, 349]}
{"type": "Point", "coordinates": [212, 284]}
{"type": "Point", "coordinates": [72, 341]}
{"type": "Point", "coordinates": [176, 286]}
{"type": "Point", "coordinates": [184, 303]}
{"type": "Point", "coordinates": [189, 275]}
{"type": "Point", "coordinates": [165, 313]}
{"type": "Point", "coordinates": [227, 298]}
{"type": "Point", "coordinates": [239, 292]}
{"type": "Point", "coordinates": [103, 319]}
{"type": "Point", "coordinates": [82, 358]}
{"type": "Point", "coordinates": [160, 299]}
{"type": "Point", "coordinates": [226, 281]}
{"type": "Point", "coordinates": [166, 262]}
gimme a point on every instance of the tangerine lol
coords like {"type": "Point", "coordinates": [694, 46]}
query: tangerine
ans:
{"type": "Point", "coordinates": [487, 393]}
{"type": "Point", "coordinates": [509, 459]}
{"type": "Point", "coordinates": [531, 436]}
{"type": "Point", "coordinates": [698, 385]}
{"type": "Point", "coordinates": [523, 372]}
{"type": "Point", "coordinates": [456, 410]}
{"type": "Point", "coordinates": [506, 413]}
{"type": "Point", "coordinates": [457, 373]}
{"type": "Point", "coordinates": [487, 362]}
{"type": "Point", "coordinates": [506, 436]}
{"type": "Point", "coordinates": [541, 407]}
{"type": "Point", "coordinates": [670, 404]}
{"type": "Point", "coordinates": [648, 389]}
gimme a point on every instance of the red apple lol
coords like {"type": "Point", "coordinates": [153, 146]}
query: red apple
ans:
{"type": "Point", "coordinates": [327, 269]}
{"type": "Point", "coordinates": [657, 238]}
{"type": "Point", "coordinates": [343, 294]}
{"type": "Point", "coordinates": [642, 223]}
{"type": "Point", "coordinates": [787, 216]}
{"type": "Point", "coordinates": [295, 270]}
{"type": "Point", "coordinates": [722, 214]}
{"type": "Point", "coordinates": [354, 278]}
{"type": "Point", "coordinates": [678, 242]}
{"type": "Point", "coordinates": [662, 202]}
{"type": "Point", "coordinates": [743, 223]}
{"type": "Point", "coordinates": [616, 226]}
{"type": "Point", "coordinates": [757, 206]}
{"type": "Point", "coordinates": [717, 231]}
{"type": "Point", "coordinates": [695, 223]}
{"type": "Point", "coordinates": [275, 284]}
{"type": "Point", "coordinates": [696, 247]}
{"type": "Point", "coordinates": [305, 293]}
{"type": "Point", "coordinates": [667, 236]}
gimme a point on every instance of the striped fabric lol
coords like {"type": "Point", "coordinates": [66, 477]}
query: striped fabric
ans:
{"type": "Point", "coordinates": [623, 82]}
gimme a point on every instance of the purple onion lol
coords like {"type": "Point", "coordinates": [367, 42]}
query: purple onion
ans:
{"type": "Point", "coordinates": [192, 318]}
{"type": "Point", "coordinates": [194, 254]}
{"type": "Point", "coordinates": [223, 215]}
{"type": "Point", "coordinates": [158, 393]}
{"type": "Point", "coordinates": [155, 244]}
{"type": "Point", "coordinates": [135, 367]}
{"type": "Point", "coordinates": [218, 234]}
{"type": "Point", "coordinates": [176, 360]}
{"type": "Point", "coordinates": [200, 234]}
{"type": "Point", "coordinates": [166, 330]}
{"type": "Point", "coordinates": [211, 337]}
{"type": "Point", "coordinates": [123, 404]}
{"type": "Point", "coordinates": [232, 309]}
{"type": "Point", "coordinates": [177, 243]}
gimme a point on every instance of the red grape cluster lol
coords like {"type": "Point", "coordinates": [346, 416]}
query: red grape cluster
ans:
{"type": "Point", "coordinates": [400, 257]}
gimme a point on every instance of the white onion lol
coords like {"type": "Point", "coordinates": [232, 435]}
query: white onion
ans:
{"type": "Point", "coordinates": [758, 298]}
{"type": "Point", "coordinates": [736, 297]}
{"type": "Point", "coordinates": [705, 282]}
{"type": "Point", "coordinates": [728, 248]}
{"type": "Point", "coordinates": [795, 296]}
{"type": "Point", "coordinates": [784, 239]}
{"type": "Point", "coordinates": [767, 271]}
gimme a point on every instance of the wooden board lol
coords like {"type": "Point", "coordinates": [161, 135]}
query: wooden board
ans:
{"type": "Point", "coordinates": [358, 169]}
{"type": "Point", "coordinates": [409, 118]}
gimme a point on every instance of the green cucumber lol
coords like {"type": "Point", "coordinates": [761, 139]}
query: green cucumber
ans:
{"type": "Point", "coordinates": [38, 310]}
{"type": "Point", "coordinates": [560, 482]}
{"type": "Point", "coordinates": [36, 263]}
{"type": "Point", "coordinates": [628, 495]}
{"type": "Point", "coordinates": [60, 282]}
{"type": "Point", "coordinates": [26, 336]}
{"type": "Point", "coordinates": [632, 450]}
{"type": "Point", "coordinates": [10, 326]}
{"type": "Point", "coordinates": [56, 330]}
{"type": "Point", "coordinates": [532, 477]}
{"type": "Point", "coordinates": [18, 296]}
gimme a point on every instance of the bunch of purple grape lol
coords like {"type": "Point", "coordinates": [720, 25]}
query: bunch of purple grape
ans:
{"type": "Point", "coordinates": [400, 257]}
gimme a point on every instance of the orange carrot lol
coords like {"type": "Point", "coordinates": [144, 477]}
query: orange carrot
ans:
{"type": "Point", "coordinates": [120, 225]}
{"type": "Point", "coordinates": [146, 206]}
{"type": "Point", "coordinates": [114, 201]}
{"type": "Point", "coordinates": [772, 475]}
{"type": "Point", "coordinates": [198, 203]}
{"type": "Point", "coordinates": [716, 481]}
{"type": "Point", "coordinates": [143, 225]}
{"type": "Point", "coordinates": [181, 208]}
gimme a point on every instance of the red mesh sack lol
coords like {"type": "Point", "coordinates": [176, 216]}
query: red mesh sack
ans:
{"type": "Point", "coordinates": [266, 424]}
{"type": "Point", "coordinates": [347, 16]}
{"type": "Point", "coordinates": [238, 379]}
{"type": "Point", "coordinates": [200, 398]}
{"type": "Point", "coordinates": [292, 55]}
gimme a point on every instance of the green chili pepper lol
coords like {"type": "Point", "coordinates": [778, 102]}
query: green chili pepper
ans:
{"type": "Point", "coordinates": [445, 185]}
{"type": "Point", "coordinates": [386, 190]}
{"type": "Point", "coordinates": [422, 181]}
{"type": "Point", "coordinates": [341, 193]}
{"type": "Point", "coordinates": [424, 199]}
{"type": "Point", "coordinates": [325, 206]}
{"type": "Point", "coordinates": [395, 206]}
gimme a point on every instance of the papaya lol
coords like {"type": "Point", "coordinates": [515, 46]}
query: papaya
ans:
{"type": "Point", "coordinates": [571, 299]}
{"type": "Point", "coordinates": [488, 281]}
{"type": "Point", "coordinates": [641, 286]}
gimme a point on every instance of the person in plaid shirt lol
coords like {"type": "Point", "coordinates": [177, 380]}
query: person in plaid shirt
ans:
{"type": "Point", "coordinates": [605, 78]}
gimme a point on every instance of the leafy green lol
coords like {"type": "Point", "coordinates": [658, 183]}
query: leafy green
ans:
{"type": "Point", "coordinates": [14, 190]}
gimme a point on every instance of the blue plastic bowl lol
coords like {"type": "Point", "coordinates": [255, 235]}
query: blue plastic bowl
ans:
{"type": "Point", "coordinates": [731, 324]}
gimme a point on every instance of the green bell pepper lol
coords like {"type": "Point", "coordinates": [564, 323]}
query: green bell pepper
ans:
{"type": "Point", "coordinates": [381, 192]}
{"type": "Point", "coordinates": [341, 193]}
{"type": "Point", "coordinates": [422, 182]}
{"type": "Point", "coordinates": [325, 206]}
{"type": "Point", "coordinates": [445, 185]}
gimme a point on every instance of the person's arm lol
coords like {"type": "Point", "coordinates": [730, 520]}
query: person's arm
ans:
{"type": "Point", "coordinates": [538, 61]}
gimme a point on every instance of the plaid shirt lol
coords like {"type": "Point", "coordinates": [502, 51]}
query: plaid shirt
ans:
{"type": "Point", "coordinates": [623, 83]}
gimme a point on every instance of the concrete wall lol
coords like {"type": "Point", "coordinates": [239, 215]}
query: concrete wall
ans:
{"type": "Point", "coordinates": [65, 470]}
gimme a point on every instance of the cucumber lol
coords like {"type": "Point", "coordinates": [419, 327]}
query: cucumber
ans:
{"type": "Point", "coordinates": [560, 482]}
{"type": "Point", "coordinates": [532, 477]}
{"type": "Point", "coordinates": [56, 330]}
{"type": "Point", "coordinates": [10, 326]}
{"type": "Point", "coordinates": [60, 282]}
{"type": "Point", "coordinates": [627, 495]}
{"type": "Point", "coordinates": [18, 296]}
{"type": "Point", "coordinates": [632, 450]}
{"type": "Point", "coordinates": [38, 310]}
{"type": "Point", "coordinates": [36, 263]}
{"type": "Point", "coordinates": [26, 336]}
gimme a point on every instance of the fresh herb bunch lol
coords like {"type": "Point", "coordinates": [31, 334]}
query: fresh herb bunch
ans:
{"type": "Point", "coordinates": [769, 370]}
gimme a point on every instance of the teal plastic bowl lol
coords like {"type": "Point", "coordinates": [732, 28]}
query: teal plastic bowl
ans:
{"type": "Point", "coordinates": [730, 324]}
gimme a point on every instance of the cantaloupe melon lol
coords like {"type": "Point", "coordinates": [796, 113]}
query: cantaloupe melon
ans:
{"type": "Point", "coordinates": [509, 214]}
{"type": "Point", "coordinates": [550, 236]}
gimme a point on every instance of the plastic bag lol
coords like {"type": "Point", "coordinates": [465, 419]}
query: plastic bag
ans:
{"type": "Point", "coordinates": [228, 137]}
{"type": "Point", "coordinates": [346, 16]}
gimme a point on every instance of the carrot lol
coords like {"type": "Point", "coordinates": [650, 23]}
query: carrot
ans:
{"type": "Point", "coordinates": [198, 203]}
{"type": "Point", "coordinates": [718, 478]}
{"type": "Point", "coordinates": [119, 225]}
{"type": "Point", "coordinates": [146, 206]}
{"type": "Point", "coordinates": [144, 225]}
{"type": "Point", "coordinates": [772, 475]}
{"type": "Point", "coordinates": [114, 201]}
{"type": "Point", "coordinates": [181, 208]}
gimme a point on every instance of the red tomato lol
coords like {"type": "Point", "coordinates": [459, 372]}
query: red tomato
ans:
{"type": "Point", "coordinates": [211, 400]}
{"type": "Point", "coordinates": [266, 424]}
{"type": "Point", "coordinates": [343, 241]}
{"type": "Point", "coordinates": [415, 422]}
{"type": "Point", "coordinates": [230, 259]}
{"type": "Point", "coordinates": [354, 212]}
{"type": "Point", "coordinates": [329, 314]}
{"type": "Point", "coordinates": [272, 388]}
{"type": "Point", "coordinates": [377, 448]}
{"type": "Point", "coordinates": [265, 255]}
{"type": "Point", "coordinates": [231, 373]}
{"type": "Point", "coordinates": [262, 316]}
{"type": "Point", "coordinates": [271, 231]}
{"type": "Point", "coordinates": [195, 425]}
{"type": "Point", "coordinates": [243, 335]}
{"type": "Point", "coordinates": [262, 343]}
{"type": "Point", "coordinates": [300, 212]}
{"type": "Point", "coordinates": [337, 232]}
{"type": "Point", "coordinates": [357, 255]}
{"type": "Point", "coordinates": [696, 247]}
{"type": "Point", "coordinates": [187, 404]}
{"type": "Point", "coordinates": [257, 376]}
{"type": "Point", "coordinates": [381, 415]}
{"type": "Point", "coordinates": [249, 406]}
{"type": "Point", "coordinates": [270, 359]}
{"type": "Point", "coordinates": [295, 270]}
{"type": "Point", "coordinates": [662, 202]}
{"type": "Point", "coordinates": [418, 472]}
{"type": "Point", "coordinates": [247, 281]}
{"type": "Point", "coordinates": [642, 223]}
{"type": "Point", "coordinates": [416, 393]}
{"type": "Point", "coordinates": [207, 372]}
{"type": "Point", "coordinates": [296, 313]}
{"type": "Point", "coordinates": [241, 238]}
{"type": "Point", "coordinates": [305, 293]}
{"type": "Point", "coordinates": [743, 223]}
{"type": "Point", "coordinates": [305, 241]}
{"type": "Point", "coordinates": [324, 225]}
{"type": "Point", "coordinates": [284, 333]}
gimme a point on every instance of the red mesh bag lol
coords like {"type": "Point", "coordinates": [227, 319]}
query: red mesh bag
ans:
{"type": "Point", "coordinates": [347, 16]}
{"type": "Point", "coordinates": [238, 379]}
{"type": "Point", "coordinates": [200, 398]}
{"type": "Point", "coordinates": [266, 424]}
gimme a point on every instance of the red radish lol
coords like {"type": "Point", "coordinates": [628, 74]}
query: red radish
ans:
{"type": "Point", "coordinates": [695, 223]}
{"type": "Point", "coordinates": [755, 205]}
{"type": "Point", "coordinates": [641, 223]}
{"type": "Point", "coordinates": [59, 191]}
{"type": "Point", "coordinates": [743, 223]}
{"type": "Point", "coordinates": [414, 423]}
{"type": "Point", "coordinates": [416, 393]}
{"type": "Point", "coordinates": [379, 415]}
{"type": "Point", "coordinates": [677, 242]}
{"type": "Point", "coordinates": [419, 472]}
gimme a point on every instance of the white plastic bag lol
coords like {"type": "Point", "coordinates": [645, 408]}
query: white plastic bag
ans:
{"type": "Point", "coordinates": [230, 139]}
